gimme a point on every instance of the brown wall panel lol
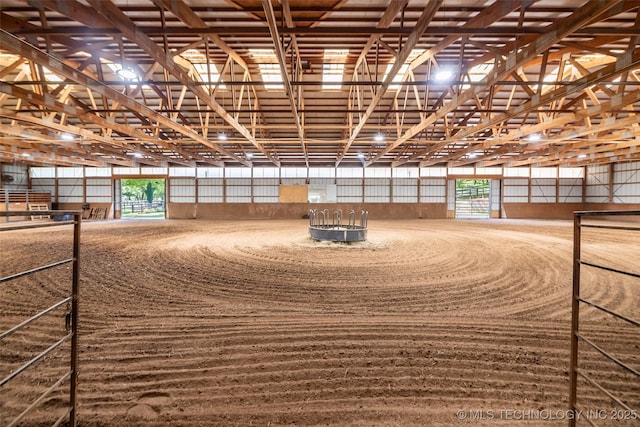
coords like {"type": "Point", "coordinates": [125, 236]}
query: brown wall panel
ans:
{"type": "Point", "coordinates": [299, 210]}
{"type": "Point", "coordinates": [540, 210]}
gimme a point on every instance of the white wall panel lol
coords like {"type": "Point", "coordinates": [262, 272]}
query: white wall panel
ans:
{"type": "Point", "coordinates": [210, 190]}
{"type": "Point", "coordinates": [237, 172]}
{"type": "Point", "coordinates": [570, 190]}
{"type": "Point", "coordinates": [434, 172]}
{"type": "Point", "coordinates": [516, 190]}
{"type": "Point", "coordinates": [293, 173]}
{"type": "Point", "coordinates": [182, 190]}
{"type": "Point", "coordinates": [265, 181]}
{"type": "Point", "coordinates": [350, 172]}
{"type": "Point", "coordinates": [190, 172]}
{"type": "Point", "coordinates": [348, 181]}
{"type": "Point", "coordinates": [543, 190]}
{"type": "Point", "coordinates": [405, 172]}
{"type": "Point", "coordinates": [154, 171]}
{"type": "Point", "coordinates": [571, 172]}
{"type": "Point", "coordinates": [238, 181]}
{"type": "Point", "coordinates": [105, 172]}
{"type": "Point", "coordinates": [98, 190]}
{"type": "Point", "coordinates": [266, 191]}
{"type": "Point", "coordinates": [516, 172]}
{"type": "Point", "coordinates": [451, 194]}
{"type": "Point", "coordinates": [70, 190]}
{"type": "Point", "coordinates": [322, 173]}
{"type": "Point", "coordinates": [377, 190]}
{"type": "Point", "coordinates": [489, 171]}
{"type": "Point", "coordinates": [44, 185]}
{"type": "Point", "coordinates": [321, 181]}
{"type": "Point", "coordinates": [42, 172]}
{"type": "Point", "coordinates": [433, 190]}
{"type": "Point", "coordinates": [495, 195]}
{"type": "Point", "coordinates": [405, 190]}
{"type": "Point", "coordinates": [597, 187]}
{"type": "Point", "coordinates": [70, 172]}
{"type": "Point", "coordinates": [266, 172]}
{"type": "Point", "coordinates": [206, 172]}
{"type": "Point", "coordinates": [551, 172]}
{"type": "Point", "coordinates": [461, 171]}
{"type": "Point", "coordinates": [377, 172]}
{"type": "Point", "coordinates": [127, 171]}
{"type": "Point", "coordinates": [239, 191]}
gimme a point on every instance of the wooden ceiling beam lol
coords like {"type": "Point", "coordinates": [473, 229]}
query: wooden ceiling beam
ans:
{"type": "Point", "coordinates": [121, 21]}
{"type": "Point", "coordinates": [427, 15]}
{"type": "Point", "coordinates": [293, 102]}
{"type": "Point", "coordinates": [516, 58]}
{"type": "Point", "coordinates": [13, 44]}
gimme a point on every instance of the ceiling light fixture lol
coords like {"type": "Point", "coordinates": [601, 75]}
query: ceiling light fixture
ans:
{"type": "Point", "coordinates": [66, 136]}
{"type": "Point", "coordinates": [444, 75]}
{"type": "Point", "coordinates": [127, 73]}
{"type": "Point", "coordinates": [379, 137]}
{"type": "Point", "coordinates": [222, 136]}
{"type": "Point", "coordinates": [535, 137]}
{"type": "Point", "coordinates": [249, 156]}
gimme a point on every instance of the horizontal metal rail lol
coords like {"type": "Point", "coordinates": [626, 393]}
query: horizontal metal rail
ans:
{"type": "Point", "coordinates": [602, 389]}
{"type": "Point", "coordinates": [613, 270]}
{"type": "Point", "coordinates": [31, 319]}
{"type": "Point", "coordinates": [611, 227]}
{"type": "Point", "coordinates": [611, 312]}
{"type": "Point", "coordinates": [29, 213]}
{"type": "Point", "coordinates": [36, 270]}
{"type": "Point", "coordinates": [34, 360]}
{"type": "Point", "coordinates": [40, 399]}
{"type": "Point", "coordinates": [609, 356]}
{"type": "Point", "coordinates": [606, 213]}
{"type": "Point", "coordinates": [22, 226]}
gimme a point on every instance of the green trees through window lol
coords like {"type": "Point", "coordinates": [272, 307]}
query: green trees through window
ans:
{"type": "Point", "coordinates": [143, 198]}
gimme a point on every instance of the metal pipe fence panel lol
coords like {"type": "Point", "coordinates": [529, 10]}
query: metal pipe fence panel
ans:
{"type": "Point", "coordinates": [70, 415]}
{"type": "Point", "coordinates": [577, 301]}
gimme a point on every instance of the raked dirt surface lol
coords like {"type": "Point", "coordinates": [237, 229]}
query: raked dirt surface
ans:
{"type": "Point", "coordinates": [238, 323]}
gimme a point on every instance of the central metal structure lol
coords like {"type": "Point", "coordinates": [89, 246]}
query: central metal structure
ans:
{"type": "Point", "coordinates": [321, 229]}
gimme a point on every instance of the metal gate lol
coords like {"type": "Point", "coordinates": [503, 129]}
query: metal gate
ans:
{"type": "Point", "coordinates": [71, 321]}
{"type": "Point", "coordinates": [577, 336]}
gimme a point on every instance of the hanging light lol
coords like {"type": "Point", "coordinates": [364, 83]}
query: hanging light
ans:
{"type": "Point", "coordinates": [127, 73]}
{"type": "Point", "coordinates": [444, 75]}
{"type": "Point", "coordinates": [379, 137]}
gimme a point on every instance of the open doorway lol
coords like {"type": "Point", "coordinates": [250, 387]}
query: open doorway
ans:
{"type": "Point", "coordinates": [143, 198]}
{"type": "Point", "coordinates": [473, 198]}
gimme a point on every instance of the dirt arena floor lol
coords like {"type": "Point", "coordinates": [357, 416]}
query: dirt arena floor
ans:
{"type": "Point", "coordinates": [239, 323]}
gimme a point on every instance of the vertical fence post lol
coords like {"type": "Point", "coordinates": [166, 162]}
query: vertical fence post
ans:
{"type": "Point", "coordinates": [74, 321]}
{"type": "Point", "coordinates": [575, 305]}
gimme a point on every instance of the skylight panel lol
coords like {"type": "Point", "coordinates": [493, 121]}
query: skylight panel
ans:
{"type": "Point", "coordinates": [333, 68]}
{"type": "Point", "coordinates": [48, 76]}
{"type": "Point", "coordinates": [269, 68]}
{"type": "Point", "coordinates": [403, 69]}
{"type": "Point", "coordinates": [478, 73]}
{"type": "Point", "coordinates": [207, 72]}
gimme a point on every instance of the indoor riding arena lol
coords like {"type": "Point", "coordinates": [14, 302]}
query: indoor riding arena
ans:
{"type": "Point", "coordinates": [327, 212]}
